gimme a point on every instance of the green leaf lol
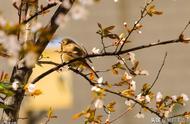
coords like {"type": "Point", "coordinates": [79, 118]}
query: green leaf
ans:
{"type": "Point", "coordinates": [5, 88]}
{"type": "Point", "coordinates": [5, 85]}
{"type": "Point", "coordinates": [7, 92]}
{"type": "Point", "coordinates": [4, 106]}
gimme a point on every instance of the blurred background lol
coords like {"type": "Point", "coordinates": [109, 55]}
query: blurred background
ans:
{"type": "Point", "coordinates": [68, 93]}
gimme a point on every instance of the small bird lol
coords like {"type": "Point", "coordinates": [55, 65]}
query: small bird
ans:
{"type": "Point", "coordinates": [71, 50]}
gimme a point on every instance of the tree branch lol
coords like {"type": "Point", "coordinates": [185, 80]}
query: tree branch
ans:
{"type": "Point", "coordinates": [48, 62]}
{"type": "Point", "coordinates": [107, 54]}
{"type": "Point", "coordinates": [157, 76]}
{"type": "Point", "coordinates": [48, 32]}
{"type": "Point", "coordinates": [185, 28]}
{"type": "Point", "coordinates": [122, 114]}
{"type": "Point", "coordinates": [159, 71]}
{"type": "Point", "coordinates": [47, 7]}
{"type": "Point", "coordinates": [84, 76]}
{"type": "Point", "coordinates": [143, 14]}
{"type": "Point", "coordinates": [22, 73]}
{"type": "Point", "coordinates": [118, 94]}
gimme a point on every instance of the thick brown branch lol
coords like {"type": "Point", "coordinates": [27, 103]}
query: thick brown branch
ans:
{"type": "Point", "coordinates": [22, 73]}
{"type": "Point", "coordinates": [48, 32]}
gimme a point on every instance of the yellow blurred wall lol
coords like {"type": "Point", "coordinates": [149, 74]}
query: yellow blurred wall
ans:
{"type": "Point", "coordinates": [56, 88]}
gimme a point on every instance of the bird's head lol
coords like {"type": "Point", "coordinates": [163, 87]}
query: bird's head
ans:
{"type": "Point", "coordinates": [66, 41]}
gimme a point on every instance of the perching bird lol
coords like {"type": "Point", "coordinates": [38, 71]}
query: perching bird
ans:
{"type": "Point", "coordinates": [72, 50]}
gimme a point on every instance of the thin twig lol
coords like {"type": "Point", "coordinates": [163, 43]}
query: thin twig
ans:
{"type": "Point", "coordinates": [103, 45]}
{"type": "Point", "coordinates": [130, 71]}
{"type": "Point", "coordinates": [186, 26]}
{"type": "Point", "coordinates": [100, 71]}
{"type": "Point", "coordinates": [48, 62]}
{"type": "Point", "coordinates": [47, 121]}
{"type": "Point", "coordinates": [143, 14]}
{"type": "Point", "coordinates": [122, 114]}
{"type": "Point", "coordinates": [83, 75]}
{"type": "Point", "coordinates": [157, 76]}
{"type": "Point", "coordinates": [174, 116]}
{"type": "Point", "coordinates": [47, 7]}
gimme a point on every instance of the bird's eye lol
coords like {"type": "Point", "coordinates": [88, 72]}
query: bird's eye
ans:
{"type": "Point", "coordinates": [64, 42]}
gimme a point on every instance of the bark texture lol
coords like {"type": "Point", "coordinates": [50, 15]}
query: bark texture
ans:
{"type": "Point", "coordinates": [20, 72]}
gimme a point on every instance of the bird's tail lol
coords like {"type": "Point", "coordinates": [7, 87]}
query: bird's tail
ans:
{"type": "Point", "coordinates": [91, 69]}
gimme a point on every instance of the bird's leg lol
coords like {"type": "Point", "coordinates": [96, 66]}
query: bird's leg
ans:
{"type": "Point", "coordinates": [61, 56]}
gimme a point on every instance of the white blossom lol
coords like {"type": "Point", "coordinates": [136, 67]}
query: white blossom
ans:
{"type": "Point", "coordinates": [159, 97]}
{"type": "Point", "coordinates": [95, 50]}
{"type": "Point", "coordinates": [133, 85]}
{"type": "Point", "coordinates": [100, 80]}
{"type": "Point", "coordinates": [11, 44]}
{"type": "Point", "coordinates": [139, 32]}
{"type": "Point", "coordinates": [125, 24]}
{"type": "Point", "coordinates": [131, 57]}
{"type": "Point", "coordinates": [140, 97]}
{"type": "Point", "coordinates": [86, 2]}
{"type": "Point", "coordinates": [31, 88]}
{"type": "Point", "coordinates": [78, 12]}
{"type": "Point", "coordinates": [174, 98]}
{"type": "Point", "coordinates": [61, 20]}
{"type": "Point", "coordinates": [3, 22]}
{"type": "Point", "coordinates": [185, 97]}
{"type": "Point", "coordinates": [127, 76]}
{"type": "Point", "coordinates": [30, 59]}
{"type": "Point", "coordinates": [66, 4]}
{"type": "Point", "coordinates": [99, 103]}
{"type": "Point", "coordinates": [129, 102]}
{"type": "Point", "coordinates": [147, 98]}
{"type": "Point", "coordinates": [171, 108]}
{"type": "Point", "coordinates": [140, 115]}
{"type": "Point", "coordinates": [121, 61]}
{"type": "Point", "coordinates": [144, 72]}
{"type": "Point", "coordinates": [166, 113]}
{"type": "Point", "coordinates": [36, 27]}
{"type": "Point", "coordinates": [15, 85]}
{"type": "Point", "coordinates": [95, 89]}
{"type": "Point", "coordinates": [93, 68]}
